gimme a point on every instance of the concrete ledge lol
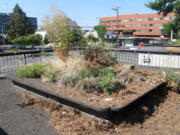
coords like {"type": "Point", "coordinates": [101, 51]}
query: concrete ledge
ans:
{"type": "Point", "coordinates": [105, 113]}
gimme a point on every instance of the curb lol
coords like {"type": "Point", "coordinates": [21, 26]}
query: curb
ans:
{"type": "Point", "coordinates": [106, 113]}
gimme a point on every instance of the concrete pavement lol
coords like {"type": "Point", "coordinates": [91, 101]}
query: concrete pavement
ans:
{"type": "Point", "coordinates": [15, 120]}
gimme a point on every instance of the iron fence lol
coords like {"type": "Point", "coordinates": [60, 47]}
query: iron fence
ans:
{"type": "Point", "coordinates": [10, 62]}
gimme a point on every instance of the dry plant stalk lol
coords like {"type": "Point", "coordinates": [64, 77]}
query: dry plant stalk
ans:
{"type": "Point", "coordinates": [62, 52]}
{"type": "Point", "coordinates": [58, 30]}
{"type": "Point", "coordinates": [74, 63]}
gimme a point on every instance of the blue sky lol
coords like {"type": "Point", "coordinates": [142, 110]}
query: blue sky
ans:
{"type": "Point", "coordinates": [85, 12]}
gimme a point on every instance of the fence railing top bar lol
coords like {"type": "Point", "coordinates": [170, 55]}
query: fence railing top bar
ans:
{"type": "Point", "coordinates": [25, 52]}
{"type": "Point", "coordinates": [147, 45]}
{"type": "Point", "coordinates": [145, 51]}
{"type": "Point", "coordinates": [114, 49]}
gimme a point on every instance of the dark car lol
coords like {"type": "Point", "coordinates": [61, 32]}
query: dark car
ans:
{"type": "Point", "coordinates": [1, 50]}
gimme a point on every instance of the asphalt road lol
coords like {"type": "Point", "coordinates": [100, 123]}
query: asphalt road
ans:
{"type": "Point", "coordinates": [15, 120]}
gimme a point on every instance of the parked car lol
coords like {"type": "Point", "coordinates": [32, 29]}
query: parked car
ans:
{"type": "Point", "coordinates": [16, 47]}
{"type": "Point", "coordinates": [37, 48]}
{"type": "Point", "coordinates": [134, 48]}
{"type": "Point", "coordinates": [1, 50]}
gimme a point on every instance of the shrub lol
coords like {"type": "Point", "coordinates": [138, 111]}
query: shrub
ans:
{"type": "Point", "coordinates": [32, 71]}
{"type": "Point", "coordinates": [174, 77]}
{"type": "Point", "coordinates": [173, 80]}
{"type": "Point", "coordinates": [97, 57]}
{"type": "Point", "coordinates": [20, 41]}
{"type": "Point", "coordinates": [59, 32]}
{"type": "Point", "coordinates": [107, 80]}
{"type": "Point", "coordinates": [32, 39]}
{"type": "Point", "coordinates": [104, 81]}
{"type": "Point", "coordinates": [49, 73]}
{"type": "Point", "coordinates": [67, 79]}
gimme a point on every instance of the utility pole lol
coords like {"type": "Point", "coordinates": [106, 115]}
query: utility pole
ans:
{"type": "Point", "coordinates": [117, 19]}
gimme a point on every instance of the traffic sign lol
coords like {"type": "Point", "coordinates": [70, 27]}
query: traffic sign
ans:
{"type": "Point", "coordinates": [141, 44]}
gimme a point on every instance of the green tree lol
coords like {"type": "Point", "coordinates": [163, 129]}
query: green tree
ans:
{"type": "Point", "coordinates": [101, 30]}
{"type": "Point", "coordinates": [19, 25]}
{"type": "Point", "coordinates": [165, 6]}
{"type": "Point", "coordinates": [90, 37]}
{"type": "Point", "coordinates": [173, 25]}
{"type": "Point", "coordinates": [46, 39]}
{"type": "Point", "coordinates": [77, 35]}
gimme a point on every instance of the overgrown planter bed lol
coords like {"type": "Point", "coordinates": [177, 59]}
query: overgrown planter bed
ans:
{"type": "Point", "coordinates": [99, 104]}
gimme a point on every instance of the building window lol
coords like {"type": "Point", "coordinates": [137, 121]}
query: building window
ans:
{"type": "Point", "coordinates": [131, 20]}
{"type": "Point", "coordinates": [139, 19]}
{"type": "Point", "coordinates": [114, 21]}
{"type": "Point", "coordinates": [124, 21]}
{"type": "Point", "coordinates": [150, 19]}
{"type": "Point", "coordinates": [161, 18]}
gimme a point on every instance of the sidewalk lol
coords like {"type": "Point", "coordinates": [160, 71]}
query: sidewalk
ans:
{"type": "Point", "coordinates": [17, 121]}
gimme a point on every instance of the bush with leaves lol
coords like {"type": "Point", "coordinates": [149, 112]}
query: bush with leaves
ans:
{"type": "Point", "coordinates": [32, 39]}
{"type": "Point", "coordinates": [107, 80]}
{"type": "Point", "coordinates": [32, 71]}
{"type": "Point", "coordinates": [97, 57]}
{"type": "Point", "coordinates": [46, 39]}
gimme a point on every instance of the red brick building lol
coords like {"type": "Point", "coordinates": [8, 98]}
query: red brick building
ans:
{"type": "Point", "coordinates": [144, 26]}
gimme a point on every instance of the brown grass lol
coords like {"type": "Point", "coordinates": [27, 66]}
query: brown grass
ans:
{"type": "Point", "coordinates": [174, 49]}
{"type": "Point", "coordinates": [73, 63]}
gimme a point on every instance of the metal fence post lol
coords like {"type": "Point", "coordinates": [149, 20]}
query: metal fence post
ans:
{"type": "Point", "coordinates": [25, 62]}
{"type": "Point", "coordinates": [148, 59]}
{"type": "Point", "coordinates": [33, 57]}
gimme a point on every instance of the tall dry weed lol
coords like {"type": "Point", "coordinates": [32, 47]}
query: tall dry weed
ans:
{"type": "Point", "coordinates": [74, 63]}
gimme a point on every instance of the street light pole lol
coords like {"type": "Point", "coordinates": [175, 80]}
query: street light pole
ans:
{"type": "Point", "coordinates": [117, 19]}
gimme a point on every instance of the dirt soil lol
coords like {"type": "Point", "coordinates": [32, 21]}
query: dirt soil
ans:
{"type": "Point", "coordinates": [158, 114]}
{"type": "Point", "coordinates": [135, 83]}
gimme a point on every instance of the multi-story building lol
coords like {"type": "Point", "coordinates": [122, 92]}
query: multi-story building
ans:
{"type": "Point", "coordinates": [139, 27]}
{"type": "Point", "coordinates": [4, 21]}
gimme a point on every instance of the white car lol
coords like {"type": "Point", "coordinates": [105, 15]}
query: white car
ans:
{"type": "Point", "coordinates": [49, 45]}
{"type": "Point", "coordinates": [134, 48]}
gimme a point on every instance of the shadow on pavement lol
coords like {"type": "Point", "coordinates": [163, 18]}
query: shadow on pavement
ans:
{"type": "Point", "coordinates": [2, 132]}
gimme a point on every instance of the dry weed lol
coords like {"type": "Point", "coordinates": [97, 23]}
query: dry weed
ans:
{"type": "Point", "coordinates": [73, 63]}
{"type": "Point", "coordinates": [174, 49]}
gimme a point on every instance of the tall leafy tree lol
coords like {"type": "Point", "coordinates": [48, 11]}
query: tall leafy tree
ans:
{"type": "Point", "coordinates": [77, 34]}
{"type": "Point", "coordinates": [165, 7]}
{"type": "Point", "coordinates": [173, 25]}
{"type": "Point", "coordinates": [19, 25]}
{"type": "Point", "coordinates": [101, 30]}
